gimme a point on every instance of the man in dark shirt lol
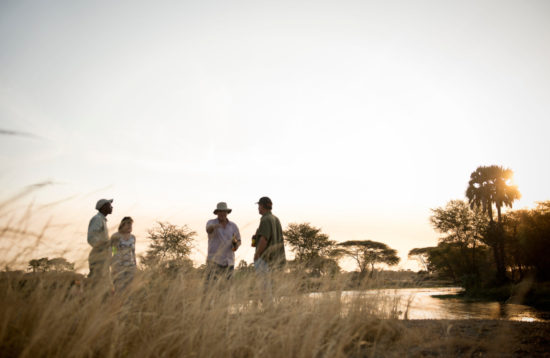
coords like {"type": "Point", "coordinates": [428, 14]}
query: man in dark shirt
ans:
{"type": "Point", "coordinates": [270, 249]}
{"type": "Point", "coordinates": [269, 237]}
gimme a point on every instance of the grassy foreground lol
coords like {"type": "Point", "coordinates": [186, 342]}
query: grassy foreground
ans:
{"type": "Point", "coordinates": [48, 315]}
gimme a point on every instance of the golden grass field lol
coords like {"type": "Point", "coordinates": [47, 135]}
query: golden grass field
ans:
{"type": "Point", "coordinates": [46, 315]}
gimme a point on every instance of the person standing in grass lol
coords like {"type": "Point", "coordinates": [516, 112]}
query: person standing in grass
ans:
{"type": "Point", "coordinates": [223, 240]}
{"type": "Point", "coordinates": [123, 262]}
{"type": "Point", "coordinates": [98, 238]}
{"type": "Point", "coordinates": [269, 243]}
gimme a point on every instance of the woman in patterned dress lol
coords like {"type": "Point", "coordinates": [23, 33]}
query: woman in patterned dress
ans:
{"type": "Point", "coordinates": [123, 263]}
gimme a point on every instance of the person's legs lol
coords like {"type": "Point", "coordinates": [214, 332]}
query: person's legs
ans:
{"type": "Point", "coordinates": [99, 276]}
{"type": "Point", "coordinates": [264, 275]}
{"type": "Point", "coordinates": [213, 273]}
{"type": "Point", "coordinates": [122, 278]}
{"type": "Point", "coordinates": [229, 272]}
{"type": "Point", "coordinates": [217, 277]}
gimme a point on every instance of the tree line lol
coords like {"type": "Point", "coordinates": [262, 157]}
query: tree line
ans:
{"type": "Point", "coordinates": [314, 253]}
{"type": "Point", "coordinates": [482, 246]}
{"type": "Point", "coordinates": [44, 264]}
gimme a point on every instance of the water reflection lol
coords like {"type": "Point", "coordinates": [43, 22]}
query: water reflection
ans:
{"type": "Point", "coordinates": [419, 303]}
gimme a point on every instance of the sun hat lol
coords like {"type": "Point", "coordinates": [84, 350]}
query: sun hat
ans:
{"type": "Point", "coordinates": [265, 202]}
{"type": "Point", "coordinates": [102, 202]}
{"type": "Point", "coordinates": [222, 207]}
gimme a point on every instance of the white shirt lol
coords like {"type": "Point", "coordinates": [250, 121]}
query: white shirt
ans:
{"type": "Point", "coordinates": [97, 231]}
{"type": "Point", "coordinates": [219, 243]}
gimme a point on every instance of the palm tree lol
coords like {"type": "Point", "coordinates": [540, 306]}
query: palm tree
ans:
{"type": "Point", "coordinates": [490, 186]}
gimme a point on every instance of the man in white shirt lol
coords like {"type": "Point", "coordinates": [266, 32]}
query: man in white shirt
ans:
{"type": "Point", "coordinates": [98, 238]}
{"type": "Point", "coordinates": [223, 240]}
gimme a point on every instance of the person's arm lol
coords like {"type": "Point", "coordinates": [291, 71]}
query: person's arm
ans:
{"type": "Point", "coordinates": [238, 234]}
{"type": "Point", "coordinates": [95, 230]}
{"type": "Point", "coordinates": [260, 247]}
{"type": "Point", "coordinates": [211, 226]}
{"type": "Point", "coordinates": [134, 250]}
{"type": "Point", "coordinates": [114, 238]}
{"type": "Point", "coordinates": [261, 239]}
{"type": "Point", "coordinates": [114, 244]}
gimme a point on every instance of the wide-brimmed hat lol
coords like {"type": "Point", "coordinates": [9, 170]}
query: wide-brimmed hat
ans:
{"type": "Point", "coordinates": [102, 202]}
{"type": "Point", "coordinates": [222, 207]}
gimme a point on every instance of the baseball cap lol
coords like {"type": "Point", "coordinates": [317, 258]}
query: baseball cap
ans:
{"type": "Point", "coordinates": [265, 201]}
{"type": "Point", "coordinates": [102, 202]}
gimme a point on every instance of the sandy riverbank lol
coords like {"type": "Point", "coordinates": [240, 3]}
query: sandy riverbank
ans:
{"type": "Point", "coordinates": [465, 338]}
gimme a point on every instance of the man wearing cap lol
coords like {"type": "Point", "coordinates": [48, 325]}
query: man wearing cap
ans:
{"type": "Point", "coordinates": [223, 240]}
{"type": "Point", "coordinates": [98, 238]}
{"type": "Point", "coordinates": [270, 248]}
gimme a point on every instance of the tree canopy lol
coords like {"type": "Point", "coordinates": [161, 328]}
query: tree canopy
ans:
{"type": "Point", "coordinates": [421, 254]}
{"type": "Point", "coordinates": [58, 264]}
{"type": "Point", "coordinates": [169, 246]}
{"type": "Point", "coordinates": [459, 223]}
{"type": "Point", "coordinates": [490, 186]}
{"type": "Point", "coordinates": [369, 253]}
{"type": "Point", "coordinates": [464, 228]}
{"type": "Point", "coordinates": [527, 234]}
{"type": "Point", "coordinates": [313, 249]}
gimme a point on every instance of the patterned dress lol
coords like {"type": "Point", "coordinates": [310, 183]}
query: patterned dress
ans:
{"type": "Point", "coordinates": [123, 262]}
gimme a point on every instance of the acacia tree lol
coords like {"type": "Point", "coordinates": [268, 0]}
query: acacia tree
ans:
{"type": "Point", "coordinates": [37, 265]}
{"type": "Point", "coordinates": [421, 254]}
{"type": "Point", "coordinates": [312, 249]}
{"type": "Point", "coordinates": [59, 264]}
{"type": "Point", "coordinates": [490, 186]}
{"type": "Point", "coordinates": [369, 253]}
{"type": "Point", "coordinates": [169, 247]}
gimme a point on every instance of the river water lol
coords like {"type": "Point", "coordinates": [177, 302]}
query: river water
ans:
{"type": "Point", "coordinates": [419, 303]}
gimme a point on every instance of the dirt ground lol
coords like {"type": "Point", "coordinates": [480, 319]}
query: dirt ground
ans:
{"type": "Point", "coordinates": [473, 338]}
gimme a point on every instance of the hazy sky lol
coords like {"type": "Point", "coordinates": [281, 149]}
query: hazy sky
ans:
{"type": "Point", "coordinates": [355, 116]}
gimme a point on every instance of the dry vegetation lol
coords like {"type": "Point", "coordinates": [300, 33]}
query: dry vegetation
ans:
{"type": "Point", "coordinates": [161, 315]}
{"type": "Point", "coordinates": [52, 314]}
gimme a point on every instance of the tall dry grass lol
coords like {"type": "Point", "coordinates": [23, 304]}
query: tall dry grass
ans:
{"type": "Point", "coordinates": [174, 315]}
{"type": "Point", "coordinates": [160, 315]}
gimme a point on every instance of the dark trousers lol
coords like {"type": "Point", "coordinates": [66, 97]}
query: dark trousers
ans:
{"type": "Point", "coordinates": [214, 272]}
